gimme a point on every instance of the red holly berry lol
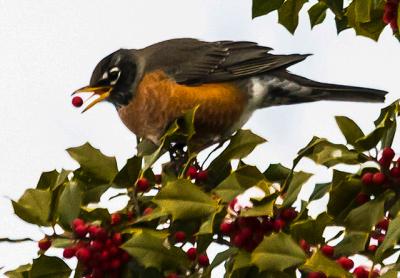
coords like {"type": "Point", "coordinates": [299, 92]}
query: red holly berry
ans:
{"type": "Point", "coordinates": [142, 185]}
{"type": "Point", "coordinates": [100, 234]}
{"type": "Point", "coordinates": [191, 253]}
{"type": "Point", "coordinates": [115, 264]}
{"type": "Point", "coordinates": [388, 153]}
{"type": "Point", "coordinates": [147, 211]}
{"type": "Point", "coordinates": [69, 252]}
{"type": "Point", "coordinates": [44, 244]}
{"type": "Point", "coordinates": [226, 227]}
{"type": "Point", "coordinates": [113, 250]}
{"type": "Point", "coordinates": [289, 214]}
{"type": "Point", "coordinates": [258, 236]}
{"type": "Point", "coordinates": [117, 238]}
{"type": "Point", "coordinates": [246, 233]}
{"type": "Point", "coordinates": [383, 224]}
{"type": "Point", "coordinates": [346, 263]}
{"type": "Point", "coordinates": [77, 101]}
{"type": "Point", "coordinates": [316, 275]}
{"type": "Point", "coordinates": [367, 178]}
{"type": "Point", "coordinates": [328, 250]}
{"type": "Point", "coordinates": [191, 172]}
{"type": "Point", "coordinates": [203, 260]}
{"type": "Point", "coordinates": [267, 226]}
{"type": "Point", "coordinates": [202, 175]}
{"type": "Point", "coordinates": [172, 275]}
{"type": "Point", "coordinates": [180, 236]}
{"type": "Point", "coordinates": [104, 256]}
{"type": "Point", "coordinates": [395, 172]}
{"type": "Point", "coordinates": [362, 198]}
{"type": "Point", "coordinates": [81, 231]}
{"type": "Point", "coordinates": [372, 248]}
{"type": "Point", "coordinates": [83, 254]}
{"type": "Point", "coordinates": [96, 245]}
{"type": "Point", "coordinates": [278, 224]}
{"type": "Point", "coordinates": [239, 240]}
{"type": "Point", "coordinates": [304, 245]}
{"type": "Point", "coordinates": [78, 222]}
{"type": "Point", "coordinates": [115, 218]}
{"type": "Point", "coordinates": [360, 272]}
{"type": "Point", "coordinates": [379, 178]}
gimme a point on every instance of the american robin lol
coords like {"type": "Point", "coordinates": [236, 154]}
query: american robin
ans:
{"type": "Point", "coordinates": [227, 80]}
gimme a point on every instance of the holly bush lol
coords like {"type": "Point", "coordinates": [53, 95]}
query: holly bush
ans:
{"type": "Point", "coordinates": [172, 217]}
{"type": "Point", "coordinates": [367, 17]}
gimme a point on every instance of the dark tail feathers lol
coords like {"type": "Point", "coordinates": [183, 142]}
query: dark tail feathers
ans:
{"type": "Point", "coordinates": [326, 91]}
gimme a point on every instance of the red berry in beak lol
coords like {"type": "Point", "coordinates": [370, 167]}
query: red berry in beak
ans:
{"type": "Point", "coordinates": [77, 101]}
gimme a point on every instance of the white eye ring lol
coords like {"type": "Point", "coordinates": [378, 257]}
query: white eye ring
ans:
{"type": "Point", "coordinates": [114, 70]}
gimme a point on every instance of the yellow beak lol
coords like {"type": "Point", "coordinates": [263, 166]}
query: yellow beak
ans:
{"type": "Point", "coordinates": [102, 91]}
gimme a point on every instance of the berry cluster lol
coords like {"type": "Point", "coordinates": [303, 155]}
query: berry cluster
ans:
{"type": "Point", "coordinates": [390, 14]}
{"type": "Point", "coordinates": [379, 234]}
{"type": "Point", "coordinates": [202, 259]}
{"type": "Point", "coordinates": [389, 174]}
{"type": "Point", "coordinates": [97, 249]}
{"type": "Point", "coordinates": [195, 174]}
{"type": "Point", "coordinates": [248, 232]}
{"type": "Point", "coordinates": [345, 262]}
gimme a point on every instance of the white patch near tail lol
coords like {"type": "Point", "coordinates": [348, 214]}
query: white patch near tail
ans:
{"type": "Point", "coordinates": [258, 89]}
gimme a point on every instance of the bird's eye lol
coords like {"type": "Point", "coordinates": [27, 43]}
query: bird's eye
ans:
{"type": "Point", "coordinates": [113, 74]}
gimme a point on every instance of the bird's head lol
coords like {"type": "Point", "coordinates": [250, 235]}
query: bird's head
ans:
{"type": "Point", "coordinates": [113, 79]}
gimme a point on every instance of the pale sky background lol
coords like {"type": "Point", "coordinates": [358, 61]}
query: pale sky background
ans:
{"type": "Point", "coordinates": [49, 48]}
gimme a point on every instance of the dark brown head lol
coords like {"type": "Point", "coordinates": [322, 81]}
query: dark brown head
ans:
{"type": "Point", "coordinates": [113, 79]}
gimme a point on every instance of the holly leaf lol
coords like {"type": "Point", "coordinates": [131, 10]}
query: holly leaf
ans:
{"type": "Point", "coordinates": [364, 217]}
{"type": "Point", "coordinates": [69, 204]}
{"type": "Point", "coordinates": [51, 267]}
{"type": "Point", "coordinates": [128, 175]}
{"type": "Point", "coordinates": [278, 252]}
{"type": "Point", "coordinates": [317, 13]}
{"type": "Point", "coordinates": [263, 207]}
{"type": "Point", "coordinates": [20, 272]}
{"type": "Point", "coordinates": [223, 256]}
{"type": "Point", "coordinates": [296, 182]}
{"type": "Point", "coordinates": [363, 9]}
{"type": "Point", "coordinates": [320, 190]}
{"type": "Point", "coordinates": [237, 182]}
{"type": "Point", "coordinates": [352, 243]}
{"type": "Point", "coordinates": [319, 262]}
{"type": "Point", "coordinates": [391, 238]}
{"type": "Point", "coordinates": [264, 7]}
{"type": "Point", "coordinates": [344, 190]}
{"type": "Point", "coordinates": [91, 160]}
{"type": "Point", "coordinates": [277, 173]}
{"type": "Point", "coordinates": [288, 14]}
{"type": "Point", "coordinates": [154, 251]}
{"type": "Point", "coordinates": [184, 200]}
{"type": "Point", "coordinates": [34, 206]}
{"type": "Point", "coordinates": [311, 230]}
{"type": "Point", "coordinates": [240, 146]}
{"type": "Point", "coordinates": [350, 130]}
{"type": "Point", "coordinates": [365, 16]}
{"type": "Point", "coordinates": [47, 180]}
{"type": "Point", "coordinates": [329, 154]}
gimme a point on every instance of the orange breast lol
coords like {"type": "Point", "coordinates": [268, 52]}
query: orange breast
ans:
{"type": "Point", "coordinates": [159, 100]}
